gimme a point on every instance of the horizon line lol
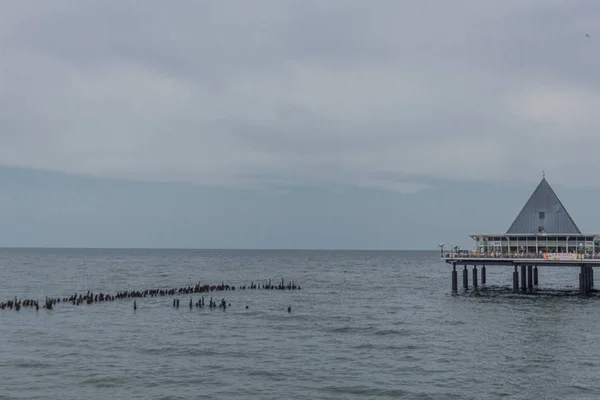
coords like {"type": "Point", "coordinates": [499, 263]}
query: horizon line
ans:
{"type": "Point", "coordinates": [200, 248]}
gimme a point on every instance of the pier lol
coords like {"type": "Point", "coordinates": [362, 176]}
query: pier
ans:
{"type": "Point", "coordinates": [542, 235]}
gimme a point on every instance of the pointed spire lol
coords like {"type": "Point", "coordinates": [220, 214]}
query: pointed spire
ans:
{"type": "Point", "coordinates": [543, 213]}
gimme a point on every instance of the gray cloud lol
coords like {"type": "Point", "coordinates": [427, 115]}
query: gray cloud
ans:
{"type": "Point", "coordinates": [386, 94]}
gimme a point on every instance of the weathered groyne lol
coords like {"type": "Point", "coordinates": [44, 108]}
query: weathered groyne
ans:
{"type": "Point", "coordinates": [90, 297]}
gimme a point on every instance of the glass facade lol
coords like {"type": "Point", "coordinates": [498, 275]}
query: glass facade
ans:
{"type": "Point", "coordinates": [536, 244]}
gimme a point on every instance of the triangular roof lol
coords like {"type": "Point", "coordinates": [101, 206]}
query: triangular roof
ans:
{"type": "Point", "coordinates": [543, 212]}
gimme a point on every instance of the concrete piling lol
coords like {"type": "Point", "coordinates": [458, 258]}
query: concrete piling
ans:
{"type": "Point", "coordinates": [474, 276]}
{"type": "Point", "coordinates": [535, 275]}
{"type": "Point", "coordinates": [515, 280]}
{"type": "Point", "coordinates": [454, 278]}
{"type": "Point", "coordinates": [588, 278]}
{"type": "Point", "coordinates": [465, 278]}
{"type": "Point", "coordinates": [585, 279]}
{"type": "Point", "coordinates": [483, 274]}
{"type": "Point", "coordinates": [523, 277]}
{"type": "Point", "coordinates": [530, 277]}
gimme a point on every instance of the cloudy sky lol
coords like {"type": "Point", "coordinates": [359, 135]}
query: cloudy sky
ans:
{"type": "Point", "coordinates": [292, 124]}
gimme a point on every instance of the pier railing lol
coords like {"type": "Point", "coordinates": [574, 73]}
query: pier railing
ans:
{"type": "Point", "coordinates": [543, 256]}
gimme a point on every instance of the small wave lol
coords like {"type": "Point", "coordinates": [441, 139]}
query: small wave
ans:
{"type": "Point", "coordinates": [588, 364]}
{"type": "Point", "coordinates": [184, 351]}
{"type": "Point", "coordinates": [344, 329]}
{"type": "Point", "coordinates": [451, 323]}
{"type": "Point", "coordinates": [367, 346]}
{"type": "Point", "coordinates": [221, 352]}
{"type": "Point", "coordinates": [369, 330]}
{"type": "Point", "coordinates": [348, 329]}
{"type": "Point", "coordinates": [32, 364]}
{"type": "Point", "coordinates": [366, 391]}
{"type": "Point", "coordinates": [532, 369]}
{"type": "Point", "coordinates": [278, 376]}
{"type": "Point", "coordinates": [169, 398]}
{"type": "Point", "coordinates": [384, 347]}
{"type": "Point", "coordinates": [386, 332]}
{"type": "Point", "coordinates": [277, 317]}
{"type": "Point", "coordinates": [105, 382]}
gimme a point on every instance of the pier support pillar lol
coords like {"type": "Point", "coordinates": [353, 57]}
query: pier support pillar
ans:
{"type": "Point", "coordinates": [483, 274]}
{"type": "Point", "coordinates": [583, 280]}
{"type": "Point", "coordinates": [454, 278]}
{"type": "Point", "coordinates": [535, 275]}
{"type": "Point", "coordinates": [465, 278]}
{"type": "Point", "coordinates": [523, 277]}
{"type": "Point", "coordinates": [474, 276]}
{"type": "Point", "coordinates": [515, 280]}
{"type": "Point", "coordinates": [530, 277]}
{"type": "Point", "coordinates": [589, 278]}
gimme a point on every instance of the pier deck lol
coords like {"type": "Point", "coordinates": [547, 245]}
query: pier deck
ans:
{"type": "Point", "coordinates": [515, 261]}
{"type": "Point", "coordinates": [528, 266]}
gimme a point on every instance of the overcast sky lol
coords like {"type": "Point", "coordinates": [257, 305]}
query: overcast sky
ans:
{"type": "Point", "coordinates": [387, 104]}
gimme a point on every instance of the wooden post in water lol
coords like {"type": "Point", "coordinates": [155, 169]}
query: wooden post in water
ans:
{"type": "Point", "coordinates": [483, 274]}
{"type": "Point", "coordinates": [454, 278]}
{"type": "Point", "coordinates": [465, 278]}
{"type": "Point", "coordinates": [530, 277]}
{"type": "Point", "coordinates": [591, 277]}
{"type": "Point", "coordinates": [523, 277]}
{"type": "Point", "coordinates": [535, 275]}
{"type": "Point", "coordinates": [516, 280]}
{"type": "Point", "coordinates": [474, 276]}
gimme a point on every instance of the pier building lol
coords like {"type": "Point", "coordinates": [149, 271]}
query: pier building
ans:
{"type": "Point", "coordinates": [542, 234]}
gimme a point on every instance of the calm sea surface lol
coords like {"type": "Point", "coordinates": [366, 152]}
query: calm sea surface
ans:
{"type": "Point", "coordinates": [379, 325]}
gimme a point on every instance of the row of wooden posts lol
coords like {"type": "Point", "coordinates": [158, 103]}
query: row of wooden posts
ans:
{"type": "Point", "coordinates": [529, 278]}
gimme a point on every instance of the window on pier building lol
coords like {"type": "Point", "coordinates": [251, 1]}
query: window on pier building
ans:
{"type": "Point", "coordinates": [541, 217]}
